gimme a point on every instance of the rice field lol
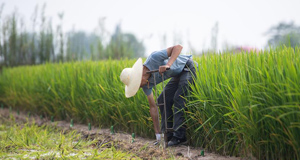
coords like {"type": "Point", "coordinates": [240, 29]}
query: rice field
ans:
{"type": "Point", "coordinates": [241, 104]}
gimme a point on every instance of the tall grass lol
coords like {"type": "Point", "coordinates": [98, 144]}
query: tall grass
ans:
{"type": "Point", "coordinates": [241, 104]}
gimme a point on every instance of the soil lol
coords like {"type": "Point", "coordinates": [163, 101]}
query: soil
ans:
{"type": "Point", "coordinates": [142, 147]}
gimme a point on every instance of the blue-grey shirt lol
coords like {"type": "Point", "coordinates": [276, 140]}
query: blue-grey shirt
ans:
{"type": "Point", "coordinates": [160, 58]}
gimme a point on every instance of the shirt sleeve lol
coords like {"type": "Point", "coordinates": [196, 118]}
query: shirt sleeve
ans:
{"type": "Point", "coordinates": [147, 90]}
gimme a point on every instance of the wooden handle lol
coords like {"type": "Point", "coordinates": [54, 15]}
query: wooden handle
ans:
{"type": "Point", "coordinates": [156, 70]}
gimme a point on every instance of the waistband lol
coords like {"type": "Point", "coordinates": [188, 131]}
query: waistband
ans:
{"type": "Point", "coordinates": [190, 64]}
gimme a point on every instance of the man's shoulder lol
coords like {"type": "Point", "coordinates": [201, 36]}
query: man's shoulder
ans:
{"type": "Point", "coordinates": [185, 56]}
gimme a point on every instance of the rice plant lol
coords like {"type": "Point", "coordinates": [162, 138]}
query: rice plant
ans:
{"type": "Point", "coordinates": [248, 103]}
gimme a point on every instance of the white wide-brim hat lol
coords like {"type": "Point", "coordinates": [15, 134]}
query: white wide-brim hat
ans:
{"type": "Point", "coordinates": [132, 78]}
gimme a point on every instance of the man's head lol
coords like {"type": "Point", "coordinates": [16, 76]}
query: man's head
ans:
{"type": "Point", "coordinates": [132, 78]}
{"type": "Point", "coordinates": [145, 76]}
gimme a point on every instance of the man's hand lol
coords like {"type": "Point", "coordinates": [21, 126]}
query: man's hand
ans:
{"type": "Point", "coordinates": [163, 68]}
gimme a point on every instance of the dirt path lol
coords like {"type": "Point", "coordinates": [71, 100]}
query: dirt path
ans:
{"type": "Point", "coordinates": [142, 147]}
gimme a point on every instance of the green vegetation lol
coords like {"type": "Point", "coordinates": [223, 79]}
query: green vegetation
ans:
{"type": "Point", "coordinates": [83, 91]}
{"type": "Point", "coordinates": [241, 104]}
{"type": "Point", "coordinates": [29, 141]}
{"type": "Point", "coordinates": [248, 103]}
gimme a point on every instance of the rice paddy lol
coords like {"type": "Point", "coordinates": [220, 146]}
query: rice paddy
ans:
{"type": "Point", "coordinates": [241, 104]}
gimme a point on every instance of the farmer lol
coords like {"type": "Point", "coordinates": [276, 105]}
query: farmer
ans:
{"type": "Point", "coordinates": [180, 68]}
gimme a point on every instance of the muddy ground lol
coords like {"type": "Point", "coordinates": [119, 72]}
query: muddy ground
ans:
{"type": "Point", "coordinates": [141, 147]}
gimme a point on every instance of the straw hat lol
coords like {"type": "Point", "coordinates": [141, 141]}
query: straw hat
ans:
{"type": "Point", "coordinates": [132, 78]}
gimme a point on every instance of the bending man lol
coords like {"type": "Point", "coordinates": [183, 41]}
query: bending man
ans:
{"type": "Point", "coordinates": [180, 68]}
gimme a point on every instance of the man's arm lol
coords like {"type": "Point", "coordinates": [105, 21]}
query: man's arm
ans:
{"type": "Point", "coordinates": [154, 113]}
{"type": "Point", "coordinates": [173, 52]}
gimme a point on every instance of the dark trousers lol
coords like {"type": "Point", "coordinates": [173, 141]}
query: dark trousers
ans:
{"type": "Point", "coordinates": [175, 91]}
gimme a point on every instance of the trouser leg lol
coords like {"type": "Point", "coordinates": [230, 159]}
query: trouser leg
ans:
{"type": "Point", "coordinates": [185, 80]}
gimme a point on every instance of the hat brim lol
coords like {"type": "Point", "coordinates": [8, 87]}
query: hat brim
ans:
{"type": "Point", "coordinates": [135, 79]}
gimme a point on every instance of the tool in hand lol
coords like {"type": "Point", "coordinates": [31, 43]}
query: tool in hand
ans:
{"type": "Point", "coordinates": [167, 130]}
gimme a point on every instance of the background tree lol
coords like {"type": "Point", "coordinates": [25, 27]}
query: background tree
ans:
{"type": "Point", "coordinates": [80, 45]}
{"type": "Point", "coordinates": [123, 45]}
{"type": "Point", "coordinates": [214, 36]}
{"type": "Point", "coordinates": [60, 38]}
{"type": "Point", "coordinates": [41, 44]}
{"type": "Point", "coordinates": [284, 34]}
